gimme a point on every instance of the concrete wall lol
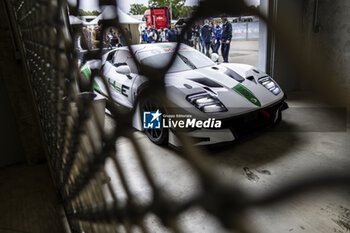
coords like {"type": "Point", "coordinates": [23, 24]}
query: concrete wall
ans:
{"type": "Point", "coordinates": [332, 45]}
{"type": "Point", "coordinates": [287, 15]}
{"type": "Point", "coordinates": [324, 54]}
{"type": "Point", "coordinates": [10, 144]}
{"type": "Point", "coordinates": [20, 138]}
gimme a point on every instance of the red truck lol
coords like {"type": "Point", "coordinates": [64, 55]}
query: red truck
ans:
{"type": "Point", "coordinates": [159, 17]}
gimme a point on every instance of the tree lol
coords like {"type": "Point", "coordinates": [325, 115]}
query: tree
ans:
{"type": "Point", "coordinates": [176, 6]}
{"type": "Point", "coordinates": [96, 13]}
{"type": "Point", "coordinates": [89, 13]}
{"type": "Point", "coordinates": [187, 11]}
{"type": "Point", "coordinates": [137, 9]}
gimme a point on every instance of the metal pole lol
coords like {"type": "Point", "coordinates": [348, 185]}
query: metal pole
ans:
{"type": "Point", "coordinates": [246, 32]}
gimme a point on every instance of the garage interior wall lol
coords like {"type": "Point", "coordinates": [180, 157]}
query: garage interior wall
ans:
{"type": "Point", "coordinates": [288, 16]}
{"type": "Point", "coordinates": [10, 144]}
{"type": "Point", "coordinates": [20, 135]}
{"type": "Point", "coordinates": [11, 147]}
{"type": "Point", "coordinates": [320, 30]}
{"type": "Point", "coordinates": [329, 34]}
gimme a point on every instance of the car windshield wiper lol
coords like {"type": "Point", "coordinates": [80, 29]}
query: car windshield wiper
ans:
{"type": "Point", "coordinates": [186, 61]}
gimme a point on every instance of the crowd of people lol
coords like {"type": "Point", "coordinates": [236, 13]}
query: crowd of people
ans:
{"type": "Point", "coordinates": [207, 37]}
{"type": "Point", "coordinates": [112, 38]}
{"type": "Point", "coordinates": [151, 35]}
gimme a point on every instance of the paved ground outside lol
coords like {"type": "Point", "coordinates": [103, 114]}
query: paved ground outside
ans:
{"type": "Point", "coordinates": [243, 51]}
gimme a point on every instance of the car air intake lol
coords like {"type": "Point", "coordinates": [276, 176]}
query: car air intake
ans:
{"type": "Point", "coordinates": [234, 75]}
{"type": "Point", "coordinates": [207, 82]}
{"type": "Point", "coordinates": [251, 78]}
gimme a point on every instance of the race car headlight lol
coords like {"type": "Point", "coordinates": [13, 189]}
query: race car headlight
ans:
{"type": "Point", "coordinates": [206, 103]}
{"type": "Point", "coordinates": [270, 85]}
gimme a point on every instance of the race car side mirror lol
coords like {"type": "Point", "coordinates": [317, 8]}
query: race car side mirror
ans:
{"type": "Point", "coordinates": [125, 70]}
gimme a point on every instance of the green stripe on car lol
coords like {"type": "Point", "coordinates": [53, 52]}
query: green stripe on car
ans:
{"type": "Point", "coordinates": [87, 73]}
{"type": "Point", "coordinates": [246, 93]}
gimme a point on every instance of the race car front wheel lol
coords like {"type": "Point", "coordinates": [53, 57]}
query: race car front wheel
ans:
{"type": "Point", "coordinates": [157, 136]}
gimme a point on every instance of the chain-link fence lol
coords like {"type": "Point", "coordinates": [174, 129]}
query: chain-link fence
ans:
{"type": "Point", "coordinates": [79, 146]}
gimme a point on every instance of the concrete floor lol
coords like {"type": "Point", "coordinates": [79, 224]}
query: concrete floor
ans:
{"type": "Point", "coordinates": [307, 141]}
{"type": "Point", "coordinates": [29, 203]}
{"type": "Point", "coordinates": [311, 138]}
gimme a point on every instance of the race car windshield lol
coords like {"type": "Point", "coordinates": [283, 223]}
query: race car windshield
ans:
{"type": "Point", "coordinates": [185, 60]}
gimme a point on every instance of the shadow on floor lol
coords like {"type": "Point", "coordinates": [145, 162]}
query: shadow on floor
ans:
{"type": "Point", "coordinates": [258, 148]}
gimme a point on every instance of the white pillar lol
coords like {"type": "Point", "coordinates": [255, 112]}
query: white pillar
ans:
{"type": "Point", "coordinates": [263, 35]}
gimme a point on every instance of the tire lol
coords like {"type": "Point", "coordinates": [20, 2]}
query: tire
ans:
{"type": "Point", "coordinates": [157, 136]}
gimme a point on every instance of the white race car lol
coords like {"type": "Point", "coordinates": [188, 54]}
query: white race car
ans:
{"type": "Point", "coordinates": [216, 102]}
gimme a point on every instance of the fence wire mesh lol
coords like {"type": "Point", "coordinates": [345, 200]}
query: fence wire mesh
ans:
{"type": "Point", "coordinates": [79, 146]}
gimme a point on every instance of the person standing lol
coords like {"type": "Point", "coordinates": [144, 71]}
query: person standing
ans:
{"type": "Point", "coordinates": [201, 38]}
{"type": "Point", "coordinates": [114, 40]}
{"type": "Point", "coordinates": [166, 30]}
{"type": "Point", "coordinates": [112, 37]}
{"type": "Point", "coordinates": [226, 37]}
{"type": "Point", "coordinates": [162, 35]}
{"type": "Point", "coordinates": [142, 35]}
{"type": "Point", "coordinates": [145, 38]}
{"type": "Point", "coordinates": [97, 37]}
{"type": "Point", "coordinates": [196, 40]}
{"type": "Point", "coordinates": [212, 35]}
{"type": "Point", "coordinates": [155, 35]}
{"type": "Point", "coordinates": [217, 37]}
{"type": "Point", "coordinates": [87, 34]}
{"type": "Point", "coordinates": [207, 36]}
{"type": "Point", "coordinates": [172, 34]}
{"type": "Point", "coordinates": [81, 43]}
{"type": "Point", "coordinates": [149, 35]}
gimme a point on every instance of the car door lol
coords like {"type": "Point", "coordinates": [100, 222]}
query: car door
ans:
{"type": "Point", "coordinates": [120, 83]}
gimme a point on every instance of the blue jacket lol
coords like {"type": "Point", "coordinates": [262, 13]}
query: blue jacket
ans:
{"type": "Point", "coordinates": [145, 38]}
{"type": "Point", "coordinates": [172, 35]}
{"type": "Point", "coordinates": [206, 33]}
{"type": "Point", "coordinates": [217, 32]}
{"type": "Point", "coordinates": [226, 31]}
{"type": "Point", "coordinates": [149, 39]}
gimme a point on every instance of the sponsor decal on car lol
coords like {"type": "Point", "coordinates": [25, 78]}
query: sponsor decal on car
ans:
{"type": "Point", "coordinates": [114, 85]}
{"type": "Point", "coordinates": [157, 120]}
{"type": "Point", "coordinates": [85, 70]}
{"type": "Point", "coordinates": [246, 93]}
